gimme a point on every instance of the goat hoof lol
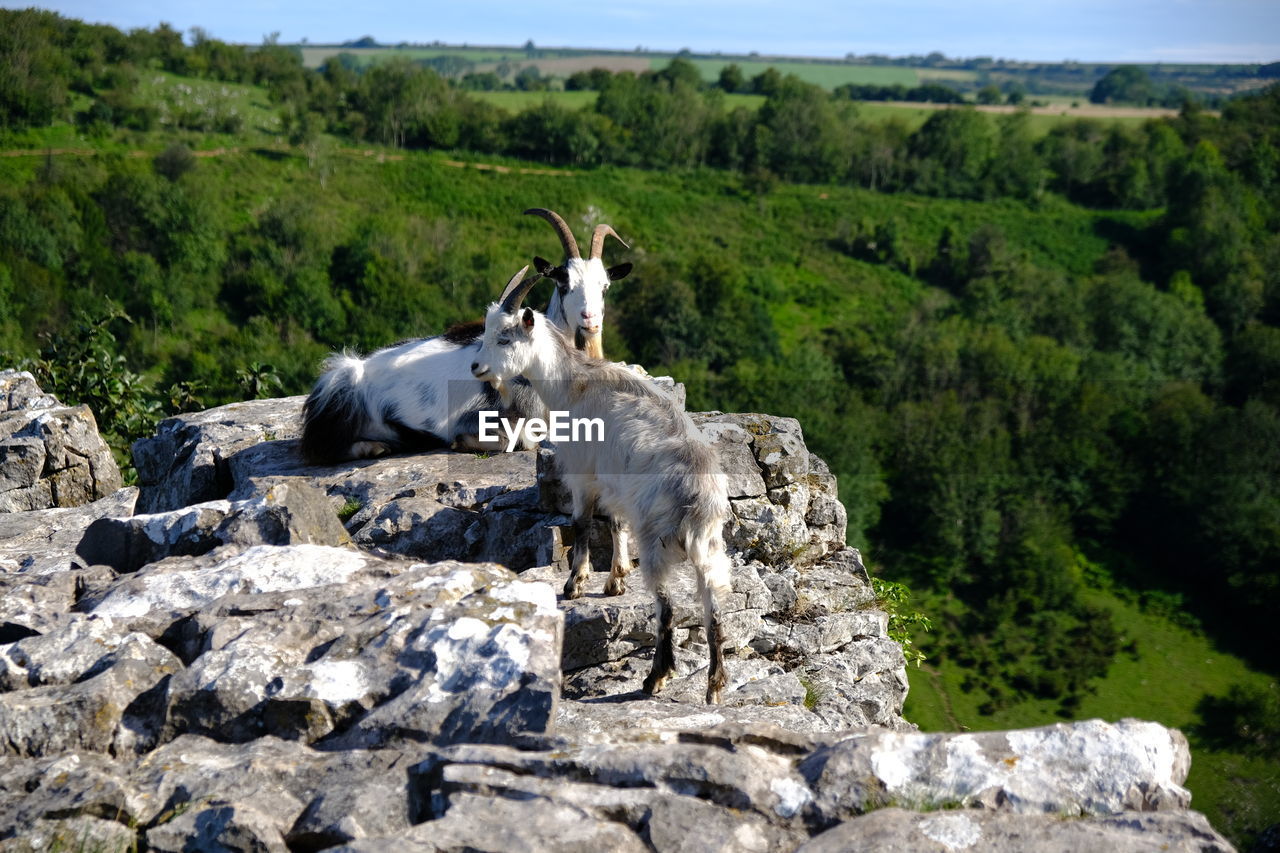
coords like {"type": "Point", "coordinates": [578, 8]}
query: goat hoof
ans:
{"type": "Point", "coordinates": [615, 586]}
{"type": "Point", "coordinates": [653, 683]}
{"type": "Point", "coordinates": [571, 591]}
{"type": "Point", "coordinates": [713, 695]}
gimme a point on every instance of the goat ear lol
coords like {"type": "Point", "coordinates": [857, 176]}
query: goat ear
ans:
{"type": "Point", "coordinates": [527, 318]}
{"type": "Point", "coordinates": [559, 274]}
{"type": "Point", "coordinates": [620, 271]}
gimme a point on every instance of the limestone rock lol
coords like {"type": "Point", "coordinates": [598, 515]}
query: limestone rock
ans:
{"type": "Point", "coordinates": [286, 513]}
{"type": "Point", "coordinates": [81, 648]}
{"type": "Point", "coordinates": [895, 830]}
{"type": "Point", "coordinates": [40, 542]}
{"type": "Point", "coordinates": [1089, 768]}
{"type": "Point", "coordinates": [488, 823]}
{"type": "Point", "coordinates": [299, 787]}
{"type": "Point", "coordinates": [109, 712]}
{"type": "Point", "coordinates": [186, 461]}
{"type": "Point", "coordinates": [438, 653]}
{"type": "Point", "coordinates": [50, 455]}
{"type": "Point", "coordinates": [73, 833]}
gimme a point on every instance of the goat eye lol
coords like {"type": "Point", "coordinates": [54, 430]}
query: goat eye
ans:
{"type": "Point", "coordinates": [503, 341]}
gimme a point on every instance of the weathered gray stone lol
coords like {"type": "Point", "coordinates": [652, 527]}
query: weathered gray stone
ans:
{"type": "Point", "coordinates": [110, 712]}
{"type": "Point", "coordinates": [287, 512]}
{"type": "Point", "coordinates": [863, 684]}
{"type": "Point", "coordinates": [186, 461]}
{"type": "Point", "coordinates": [50, 455]}
{"type": "Point", "coordinates": [80, 648]}
{"type": "Point", "coordinates": [500, 824]}
{"type": "Point", "coordinates": [895, 830]}
{"type": "Point", "coordinates": [728, 771]}
{"type": "Point", "coordinates": [293, 781]}
{"type": "Point", "coordinates": [745, 477]}
{"type": "Point", "coordinates": [18, 391]}
{"type": "Point", "coordinates": [605, 720]}
{"type": "Point", "coordinates": [1091, 768]}
{"type": "Point", "coordinates": [39, 603]}
{"type": "Point", "coordinates": [73, 833]}
{"type": "Point", "coordinates": [63, 787]}
{"type": "Point", "coordinates": [665, 820]}
{"type": "Point", "coordinates": [600, 628]}
{"type": "Point", "coordinates": [439, 653]}
{"type": "Point", "coordinates": [160, 594]}
{"type": "Point", "coordinates": [44, 541]}
{"type": "Point", "coordinates": [219, 825]}
{"type": "Point", "coordinates": [752, 681]}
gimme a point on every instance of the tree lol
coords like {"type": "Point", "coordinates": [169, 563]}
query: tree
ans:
{"type": "Point", "coordinates": [951, 153]}
{"type": "Point", "coordinates": [989, 94]}
{"type": "Point", "coordinates": [1127, 84]}
{"type": "Point", "coordinates": [732, 79]}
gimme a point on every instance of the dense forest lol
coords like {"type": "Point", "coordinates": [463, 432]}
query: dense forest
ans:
{"type": "Point", "coordinates": [1038, 364]}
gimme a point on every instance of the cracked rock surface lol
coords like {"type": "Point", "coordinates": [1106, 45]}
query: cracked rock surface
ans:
{"type": "Point", "coordinates": [247, 653]}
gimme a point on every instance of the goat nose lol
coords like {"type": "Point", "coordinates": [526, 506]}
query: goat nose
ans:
{"type": "Point", "coordinates": [587, 315]}
{"type": "Point", "coordinates": [474, 365]}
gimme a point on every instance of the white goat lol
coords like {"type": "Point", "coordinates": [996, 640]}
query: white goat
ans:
{"type": "Point", "coordinates": [416, 395]}
{"type": "Point", "coordinates": [420, 395]}
{"type": "Point", "coordinates": [653, 467]}
{"type": "Point", "coordinates": [577, 306]}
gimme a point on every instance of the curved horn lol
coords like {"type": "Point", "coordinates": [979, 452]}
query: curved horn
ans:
{"type": "Point", "coordinates": [597, 239]}
{"type": "Point", "coordinates": [513, 294]}
{"type": "Point", "coordinates": [566, 236]}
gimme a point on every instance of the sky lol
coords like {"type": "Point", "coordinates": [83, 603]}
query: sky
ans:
{"type": "Point", "coordinates": [1044, 30]}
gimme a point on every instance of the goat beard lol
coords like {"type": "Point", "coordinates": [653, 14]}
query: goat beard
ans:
{"type": "Point", "coordinates": [592, 345]}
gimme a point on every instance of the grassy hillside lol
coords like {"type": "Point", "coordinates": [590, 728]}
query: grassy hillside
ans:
{"type": "Point", "coordinates": [1170, 673]}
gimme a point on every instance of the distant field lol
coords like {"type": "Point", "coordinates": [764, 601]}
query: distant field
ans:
{"type": "Point", "coordinates": [825, 74]}
{"type": "Point", "coordinates": [563, 63]}
{"type": "Point", "coordinates": [912, 114]}
{"type": "Point", "coordinates": [514, 102]}
{"type": "Point", "coordinates": [314, 57]}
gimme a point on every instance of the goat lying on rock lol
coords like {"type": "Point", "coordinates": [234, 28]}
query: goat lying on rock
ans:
{"type": "Point", "coordinates": [420, 395]}
{"type": "Point", "coordinates": [417, 395]}
{"type": "Point", "coordinates": [653, 467]}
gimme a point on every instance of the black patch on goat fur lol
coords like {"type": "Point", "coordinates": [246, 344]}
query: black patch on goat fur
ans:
{"type": "Point", "coordinates": [410, 439]}
{"type": "Point", "coordinates": [461, 334]}
{"type": "Point", "coordinates": [426, 394]}
{"type": "Point", "coordinates": [329, 424]}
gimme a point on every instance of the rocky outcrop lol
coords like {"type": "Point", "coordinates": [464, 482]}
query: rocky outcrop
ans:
{"type": "Point", "coordinates": [373, 657]}
{"type": "Point", "coordinates": [50, 455]}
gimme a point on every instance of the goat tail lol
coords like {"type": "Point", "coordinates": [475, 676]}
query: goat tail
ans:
{"type": "Point", "coordinates": [335, 413]}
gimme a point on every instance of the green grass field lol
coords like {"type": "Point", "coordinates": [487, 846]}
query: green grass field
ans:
{"type": "Point", "coordinates": [514, 102]}
{"type": "Point", "coordinates": [314, 57]}
{"type": "Point", "coordinates": [1172, 670]}
{"type": "Point", "coordinates": [825, 74]}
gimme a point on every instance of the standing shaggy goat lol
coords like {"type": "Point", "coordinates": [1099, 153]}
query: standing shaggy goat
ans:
{"type": "Point", "coordinates": [652, 467]}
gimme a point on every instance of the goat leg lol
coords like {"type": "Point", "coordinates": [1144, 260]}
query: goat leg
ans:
{"type": "Point", "coordinates": [664, 655]}
{"type": "Point", "coordinates": [617, 585]}
{"type": "Point", "coordinates": [580, 565]}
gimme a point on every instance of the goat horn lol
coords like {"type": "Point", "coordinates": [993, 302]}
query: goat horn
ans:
{"type": "Point", "coordinates": [513, 294]}
{"type": "Point", "coordinates": [597, 239]}
{"type": "Point", "coordinates": [566, 236]}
